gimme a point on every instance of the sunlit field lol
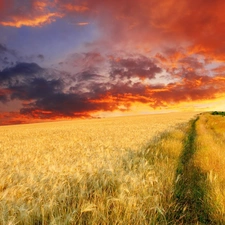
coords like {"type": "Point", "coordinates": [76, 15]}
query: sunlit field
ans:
{"type": "Point", "coordinates": [210, 157]}
{"type": "Point", "coordinates": [96, 171]}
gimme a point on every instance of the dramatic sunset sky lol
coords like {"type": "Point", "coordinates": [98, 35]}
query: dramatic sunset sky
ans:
{"type": "Point", "coordinates": [62, 59]}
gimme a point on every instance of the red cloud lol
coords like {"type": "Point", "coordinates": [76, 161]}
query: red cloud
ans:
{"type": "Point", "coordinates": [76, 8]}
{"type": "Point", "coordinates": [197, 26]}
{"type": "Point", "coordinates": [33, 13]}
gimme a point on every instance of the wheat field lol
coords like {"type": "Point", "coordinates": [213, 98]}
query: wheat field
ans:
{"type": "Point", "coordinates": [210, 158]}
{"type": "Point", "coordinates": [92, 171]}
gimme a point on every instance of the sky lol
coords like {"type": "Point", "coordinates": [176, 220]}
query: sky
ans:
{"type": "Point", "coordinates": [66, 59]}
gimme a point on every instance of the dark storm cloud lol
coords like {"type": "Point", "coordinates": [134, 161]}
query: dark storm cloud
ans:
{"type": "Point", "coordinates": [36, 85]}
{"type": "Point", "coordinates": [35, 89]}
{"type": "Point", "coordinates": [141, 67]}
{"type": "Point", "coordinates": [20, 70]}
{"type": "Point", "coordinates": [58, 96]}
{"type": "Point", "coordinates": [27, 81]}
{"type": "Point", "coordinates": [63, 104]}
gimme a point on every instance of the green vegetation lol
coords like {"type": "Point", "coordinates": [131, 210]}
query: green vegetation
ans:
{"type": "Point", "coordinates": [218, 113]}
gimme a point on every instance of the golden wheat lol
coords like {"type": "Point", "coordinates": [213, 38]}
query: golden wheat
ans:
{"type": "Point", "coordinates": [87, 171]}
{"type": "Point", "coordinates": [210, 157]}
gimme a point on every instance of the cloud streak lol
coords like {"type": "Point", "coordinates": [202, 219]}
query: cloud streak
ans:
{"type": "Point", "coordinates": [32, 22]}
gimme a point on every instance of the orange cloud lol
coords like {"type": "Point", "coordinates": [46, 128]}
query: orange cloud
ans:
{"type": "Point", "coordinates": [41, 5]}
{"type": "Point", "coordinates": [220, 70]}
{"type": "Point", "coordinates": [38, 21]}
{"type": "Point", "coordinates": [76, 8]}
{"type": "Point", "coordinates": [82, 24]}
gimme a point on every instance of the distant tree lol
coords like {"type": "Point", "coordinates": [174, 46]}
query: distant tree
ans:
{"type": "Point", "coordinates": [215, 113]}
{"type": "Point", "coordinates": [218, 113]}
